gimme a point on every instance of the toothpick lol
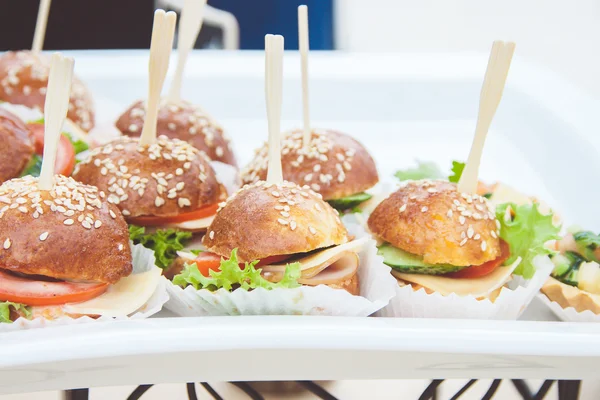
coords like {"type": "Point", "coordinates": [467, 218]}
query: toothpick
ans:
{"type": "Point", "coordinates": [161, 45]}
{"type": "Point", "coordinates": [303, 45]}
{"type": "Point", "coordinates": [55, 112]}
{"type": "Point", "coordinates": [273, 91]}
{"type": "Point", "coordinates": [491, 93]}
{"type": "Point", "coordinates": [189, 27]}
{"type": "Point", "coordinates": [40, 26]}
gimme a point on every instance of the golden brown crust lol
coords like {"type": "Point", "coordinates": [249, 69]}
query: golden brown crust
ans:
{"type": "Point", "coordinates": [569, 296]}
{"type": "Point", "coordinates": [23, 80]}
{"type": "Point", "coordinates": [168, 178]}
{"type": "Point", "coordinates": [71, 233]}
{"type": "Point", "coordinates": [336, 165]}
{"type": "Point", "coordinates": [185, 121]}
{"type": "Point", "coordinates": [432, 219]}
{"type": "Point", "coordinates": [263, 220]}
{"type": "Point", "coordinates": [16, 145]}
{"type": "Point", "coordinates": [351, 285]}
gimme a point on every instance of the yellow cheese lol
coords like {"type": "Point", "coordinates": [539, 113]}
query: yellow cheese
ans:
{"type": "Point", "coordinates": [121, 299]}
{"type": "Point", "coordinates": [196, 225]}
{"type": "Point", "coordinates": [477, 287]}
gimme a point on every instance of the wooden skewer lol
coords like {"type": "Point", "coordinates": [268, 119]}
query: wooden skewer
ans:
{"type": "Point", "coordinates": [303, 45]}
{"type": "Point", "coordinates": [189, 27]}
{"type": "Point", "coordinates": [273, 91]}
{"type": "Point", "coordinates": [161, 45]}
{"type": "Point", "coordinates": [491, 93]}
{"type": "Point", "coordinates": [40, 26]}
{"type": "Point", "coordinates": [55, 112]}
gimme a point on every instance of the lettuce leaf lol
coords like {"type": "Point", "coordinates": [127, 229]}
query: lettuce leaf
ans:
{"type": "Point", "coordinates": [34, 167]}
{"type": "Point", "coordinates": [457, 170]}
{"type": "Point", "coordinates": [231, 276]}
{"type": "Point", "coordinates": [526, 232]}
{"type": "Point", "coordinates": [424, 170]}
{"type": "Point", "coordinates": [5, 311]}
{"type": "Point", "coordinates": [164, 242]}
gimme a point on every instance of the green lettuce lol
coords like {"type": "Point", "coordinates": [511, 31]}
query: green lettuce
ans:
{"type": "Point", "coordinates": [164, 242]}
{"type": "Point", "coordinates": [424, 170]}
{"type": "Point", "coordinates": [231, 276]}
{"type": "Point", "coordinates": [78, 144]}
{"type": "Point", "coordinates": [457, 170]}
{"type": "Point", "coordinates": [34, 167]}
{"type": "Point", "coordinates": [5, 311]}
{"type": "Point", "coordinates": [526, 231]}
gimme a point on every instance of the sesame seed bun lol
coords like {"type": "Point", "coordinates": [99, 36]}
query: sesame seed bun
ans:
{"type": "Point", "coordinates": [16, 145]}
{"type": "Point", "coordinates": [167, 178]}
{"type": "Point", "coordinates": [336, 165]}
{"type": "Point", "coordinates": [24, 78]}
{"type": "Point", "coordinates": [69, 233]}
{"type": "Point", "coordinates": [262, 220]}
{"type": "Point", "coordinates": [184, 121]}
{"type": "Point", "coordinates": [432, 219]}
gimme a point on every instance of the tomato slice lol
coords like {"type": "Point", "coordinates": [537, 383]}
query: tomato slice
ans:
{"type": "Point", "coordinates": [189, 216]}
{"type": "Point", "coordinates": [65, 157]}
{"type": "Point", "coordinates": [477, 271]}
{"type": "Point", "coordinates": [207, 261]}
{"type": "Point", "coordinates": [42, 293]}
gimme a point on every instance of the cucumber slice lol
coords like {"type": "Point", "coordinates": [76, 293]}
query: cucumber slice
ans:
{"type": "Point", "coordinates": [587, 242]}
{"type": "Point", "coordinates": [346, 203]}
{"type": "Point", "coordinates": [562, 264]}
{"type": "Point", "coordinates": [410, 263]}
{"type": "Point", "coordinates": [571, 275]}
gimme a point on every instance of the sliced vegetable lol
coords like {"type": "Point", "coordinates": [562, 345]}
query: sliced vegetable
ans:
{"type": "Point", "coordinates": [164, 242]}
{"type": "Point", "coordinates": [206, 262]}
{"type": "Point", "coordinates": [588, 245]}
{"type": "Point", "coordinates": [183, 217]}
{"type": "Point", "coordinates": [65, 157]}
{"type": "Point", "coordinates": [411, 263]}
{"type": "Point", "coordinates": [6, 307]}
{"type": "Point", "coordinates": [34, 167]}
{"type": "Point", "coordinates": [349, 202]}
{"type": "Point", "coordinates": [44, 293]}
{"type": "Point", "coordinates": [424, 170]}
{"type": "Point", "coordinates": [526, 232]}
{"type": "Point", "coordinates": [477, 271]}
{"type": "Point", "coordinates": [231, 276]}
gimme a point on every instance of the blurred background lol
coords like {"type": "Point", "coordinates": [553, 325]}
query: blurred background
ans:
{"type": "Point", "coordinates": [562, 35]}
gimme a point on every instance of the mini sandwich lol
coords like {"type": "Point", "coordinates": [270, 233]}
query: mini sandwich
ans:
{"type": "Point", "coordinates": [286, 230]}
{"type": "Point", "coordinates": [24, 80]}
{"type": "Point", "coordinates": [185, 121]}
{"type": "Point", "coordinates": [333, 164]}
{"type": "Point", "coordinates": [437, 238]}
{"type": "Point", "coordinates": [575, 281]}
{"type": "Point", "coordinates": [65, 249]}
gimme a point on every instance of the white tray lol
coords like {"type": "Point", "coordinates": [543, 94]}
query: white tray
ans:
{"type": "Point", "coordinates": [544, 141]}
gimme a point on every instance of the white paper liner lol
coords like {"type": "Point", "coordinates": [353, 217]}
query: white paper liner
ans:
{"type": "Point", "coordinates": [143, 260]}
{"type": "Point", "coordinates": [510, 303]}
{"type": "Point", "coordinates": [568, 314]}
{"type": "Point", "coordinates": [377, 287]}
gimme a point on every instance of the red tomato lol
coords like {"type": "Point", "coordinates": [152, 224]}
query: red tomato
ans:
{"type": "Point", "coordinates": [65, 157]}
{"type": "Point", "coordinates": [189, 216]}
{"type": "Point", "coordinates": [207, 261]}
{"type": "Point", "coordinates": [42, 293]}
{"type": "Point", "coordinates": [476, 271]}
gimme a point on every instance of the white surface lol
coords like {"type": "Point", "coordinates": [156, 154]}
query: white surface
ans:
{"type": "Point", "coordinates": [403, 107]}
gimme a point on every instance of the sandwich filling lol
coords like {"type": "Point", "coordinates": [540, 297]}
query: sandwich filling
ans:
{"type": "Point", "coordinates": [577, 263]}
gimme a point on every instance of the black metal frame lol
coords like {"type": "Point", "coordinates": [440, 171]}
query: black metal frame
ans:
{"type": "Point", "coordinates": [567, 390]}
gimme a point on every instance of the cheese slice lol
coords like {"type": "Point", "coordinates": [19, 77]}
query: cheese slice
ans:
{"type": "Point", "coordinates": [196, 225]}
{"type": "Point", "coordinates": [314, 263]}
{"type": "Point", "coordinates": [477, 287]}
{"type": "Point", "coordinates": [121, 299]}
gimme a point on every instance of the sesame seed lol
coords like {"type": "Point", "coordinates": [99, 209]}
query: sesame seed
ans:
{"type": "Point", "coordinates": [293, 225]}
{"type": "Point", "coordinates": [316, 187]}
{"type": "Point", "coordinates": [171, 126]}
{"type": "Point", "coordinates": [97, 224]}
{"type": "Point", "coordinates": [7, 244]}
{"type": "Point", "coordinates": [462, 220]}
{"type": "Point", "coordinates": [470, 232]}
{"type": "Point", "coordinates": [180, 186]}
{"type": "Point", "coordinates": [112, 213]}
{"type": "Point", "coordinates": [120, 246]}
{"type": "Point", "coordinates": [318, 207]}
{"type": "Point", "coordinates": [275, 193]}
{"type": "Point", "coordinates": [483, 245]}
{"type": "Point", "coordinates": [178, 171]}
{"type": "Point", "coordinates": [312, 230]}
{"type": "Point", "coordinates": [403, 208]}
{"type": "Point", "coordinates": [184, 202]}
{"type": "Point", "coordinates": [477, 236]}
{"type": "Point", "coordinates": [308, 177]}
{"type": "Point", "coordinates": [86, 224]}
{"type": "Point", "coordinates": [133, 128]}
{"type": "Point", "coordinates": [463, 242]}
{"type": "Point", "coordinates": [493, 234]}
{"type": "Point", "coordinates": [211, 235]}
{"type": "Point", "coordinates": [449, 213]}
{"type": "Point", "coordinates": [44, 236]}
{"type": "Point", "coordinates": [68, 221]}
{"type": "Point", "coordinates": [424, 209]}
{"type": "Point", "coordinates": [159, 201]}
